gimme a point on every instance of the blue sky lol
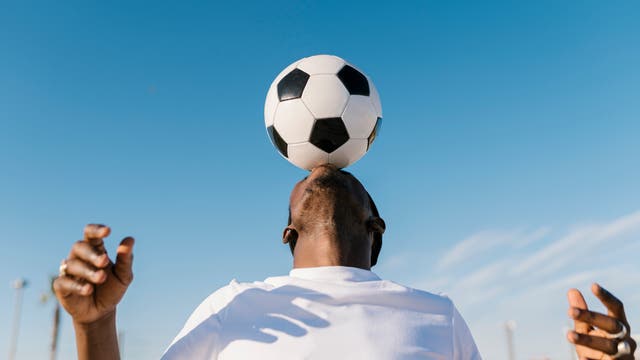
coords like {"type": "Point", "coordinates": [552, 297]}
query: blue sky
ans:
{"type": "Point", "coordinates": [507, 169]}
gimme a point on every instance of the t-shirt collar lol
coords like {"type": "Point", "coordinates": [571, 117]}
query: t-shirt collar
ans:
{"type": "Point", "coordinates": [334, 273]}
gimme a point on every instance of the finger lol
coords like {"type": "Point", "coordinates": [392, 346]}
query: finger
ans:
{"type": "Point", "coordinates": [613, 304]}
{"type": "Point", "coordinates": [83, 251]}
{"type": "Point", "coordinates": [632, 344]}
{"type": "Point", "coordinates": [94, 233]}
{"type": "Point", "coordinates": [84, 271]}
{"type": "Point", "coordinates": [601, 321]}
{"type": "Point", "coordinates": [65, 286]}
{"type": "Point", "coordinates": [587, 353]}
{"type": "Point", "coordinates": [576, 300]}
{"type": "Point", "coordinates": [124, 261]}
{"type": "Point", "coordinates": [607, 346]}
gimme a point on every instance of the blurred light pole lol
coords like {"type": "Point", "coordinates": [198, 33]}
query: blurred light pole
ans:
{"type": "Point", "coordinates": [19, 285]}
{"type": "Point", "coordinates": [121, 343]}
{"type": "Point", "coordinates": [510, 327]}
{"type": "Point", "coordinates": [44, 298]}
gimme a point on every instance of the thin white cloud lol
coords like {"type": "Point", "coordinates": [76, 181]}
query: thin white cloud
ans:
{"type": "Point", "coordinates": [495, 275]}
{"type": "Point", "coordinates": [480, 243]}
{"type": "Point", "coordinates": [579, 240]}
{"type": "Point", "coordinates": [529, 238]}
{"type": "Point", "coordinates": [485, 276]}
{"type": "Point", "coordinates": [506, 262]}
{"type": "Point", "coordinates": [473, 244]}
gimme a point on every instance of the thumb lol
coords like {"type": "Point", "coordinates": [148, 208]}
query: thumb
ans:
{"type": "Point", "coordinates": [124, 261]}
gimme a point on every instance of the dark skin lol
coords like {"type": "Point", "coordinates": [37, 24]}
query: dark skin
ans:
{"type": "Point", "coordinates": [92, 288]}
{"type": "Point", "coordinates": [332, 223]}
{"type": "Point", "coordinates": [591, 328]}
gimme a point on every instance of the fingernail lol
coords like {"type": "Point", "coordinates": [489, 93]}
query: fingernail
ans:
{"type": "Point", "coordinates": [573, 337]}
{"type": "Point", "coordinates": [599, 289]}
{"type": "Point", "coordinates": [575, 313]}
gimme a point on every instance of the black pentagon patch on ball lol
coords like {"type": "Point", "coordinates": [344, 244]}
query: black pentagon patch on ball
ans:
{"type": "Point", "coordinates": [355, 82]}
{"type": "Point", "coordinates": [277, 140]}
{"type": "Point", "coordinates": [374, 133]}
{"type": "Point", "coordinates": [292, 85]}
{"type": "Point", "coordinates": [329, 134]}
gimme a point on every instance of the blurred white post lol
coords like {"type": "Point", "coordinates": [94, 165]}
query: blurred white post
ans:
{"type": "Point", "coordinates": [121, 343]}
{"type": "Point", "coordinates": [510, 327]}
{"type": "Point", "coordinates": [19, 285]}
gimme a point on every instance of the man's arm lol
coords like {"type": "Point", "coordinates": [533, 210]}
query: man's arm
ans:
{"type": "Point", "coordinates": [97, 340]}
{"type": "Point", "coordinates": [89, 288]}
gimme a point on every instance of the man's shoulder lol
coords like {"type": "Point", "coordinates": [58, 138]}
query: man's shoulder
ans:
{"type": "Point", "coordinates": [386, 291]}
{"type": "Point", "coordinates": [423, 299]}
{"type": "Point", "coordinates": [222, 296]}
{"type": "Point", "coordinates": [432, 296]}
{"type": "Point", "coordinates": [216, 301]}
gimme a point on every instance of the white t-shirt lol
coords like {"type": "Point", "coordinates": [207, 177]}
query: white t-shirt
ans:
{"type": "Point", "coordinates": [331, 312]}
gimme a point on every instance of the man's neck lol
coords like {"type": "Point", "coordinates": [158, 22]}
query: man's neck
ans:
{"type": "Point", "coordinates": [323, 250]}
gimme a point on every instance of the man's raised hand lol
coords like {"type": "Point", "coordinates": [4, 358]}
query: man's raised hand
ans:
{"type": "Point", "coordinates": [599, 336]}
{"type": "Point", "coordinates": [90, 285]}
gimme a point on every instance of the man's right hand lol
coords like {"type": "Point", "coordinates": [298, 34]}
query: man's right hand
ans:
{"type": "Point", "coordinates": [91, 285]}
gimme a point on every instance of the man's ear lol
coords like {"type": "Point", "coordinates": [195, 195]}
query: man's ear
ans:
{"type": "Point", "coordinates": [290, 236]}
{"type": "Point", "coordinates": [376, 226]}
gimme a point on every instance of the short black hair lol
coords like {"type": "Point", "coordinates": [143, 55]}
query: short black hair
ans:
{"type": "Point", "coordinates": [377, 237]}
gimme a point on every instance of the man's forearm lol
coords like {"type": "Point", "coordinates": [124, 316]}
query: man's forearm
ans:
{"type": "Point", "coordinates": [99, 340]}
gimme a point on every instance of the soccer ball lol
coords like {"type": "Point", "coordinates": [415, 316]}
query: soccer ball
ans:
{"type": "Point", "coordinates": [321, 109]}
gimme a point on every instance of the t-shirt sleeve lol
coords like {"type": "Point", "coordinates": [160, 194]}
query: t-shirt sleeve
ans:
{"type": "Point", "coordinates": [464, 348]}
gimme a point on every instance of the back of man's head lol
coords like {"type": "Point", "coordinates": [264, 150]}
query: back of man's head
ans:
{"type": "Point", "coordinates": [332, 203]}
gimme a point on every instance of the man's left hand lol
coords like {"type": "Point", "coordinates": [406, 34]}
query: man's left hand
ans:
{"type": "Point", "coordinates": [598, 336]}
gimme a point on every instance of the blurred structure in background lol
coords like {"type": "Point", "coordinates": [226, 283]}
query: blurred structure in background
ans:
{"type": "Point", "coordinates": [121, 343]}
{"type": "Point", "coordinates": [55, 330]}
{"type": "Point", "coordinates": [18, 285]}
{"type": "Point", "coordinates": [510, 327]}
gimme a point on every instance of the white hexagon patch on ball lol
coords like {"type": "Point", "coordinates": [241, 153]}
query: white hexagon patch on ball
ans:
{"type": "Point", "coordinates": [321, 109]}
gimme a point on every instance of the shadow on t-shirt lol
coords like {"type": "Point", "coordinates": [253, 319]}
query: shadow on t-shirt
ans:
{"type": "Point", "coordinates": [247, 316]}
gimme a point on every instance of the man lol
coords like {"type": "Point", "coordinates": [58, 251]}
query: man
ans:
{"type": "Point", "coordinates": [331, 306]}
